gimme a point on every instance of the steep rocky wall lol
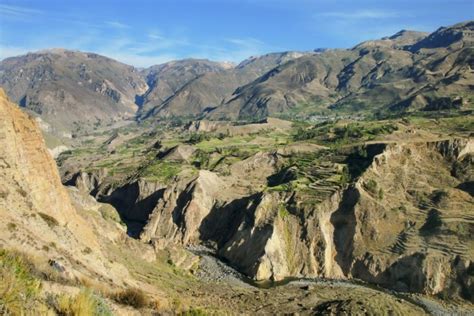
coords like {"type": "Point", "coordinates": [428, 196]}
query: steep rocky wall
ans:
{"type": "Point", "coordinates": [38, 216]}
{"type": "Point", "coordinates": [28, 168]}
{"type": "Point", "coordinates": [183, 208]}
{"type": "Point", "coordinates": [134, 201]}
{"type": "Point", "coordinates": [403, 223]}
{"type": "Point", "coordinates": [414, 225]}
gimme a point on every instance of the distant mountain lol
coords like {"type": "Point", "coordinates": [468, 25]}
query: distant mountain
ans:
{"type": "Point", "coordinates": [68, 88]}
{"type": "Point", "coordinates": [460, 35]}
{"type": "Point", "coordinates": [404, 72]}
{"type": "Point", "coordinates": [210, 89]}
{"type": "Point", "coordinates": [167, 79]}
{"type": "Point", "coordinates": [407, 71]}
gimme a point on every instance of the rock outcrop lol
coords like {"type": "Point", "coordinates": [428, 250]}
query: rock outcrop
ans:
{"type": "Point", "coordinates": [383, 227]}
{"type": "Point", "coordinates": [28, 169]}
{"type": "Point", "coordinates": [38, 215]}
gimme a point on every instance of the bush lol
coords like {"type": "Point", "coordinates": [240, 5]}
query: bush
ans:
{"type": "Point", "coordinates": [371, 186]}
{"type": "Point", "coordinates": [380, 196]}
{"type": "Point", "coordinates": [11, 226]}
{"type": "Point", "coordinates": [108, 212]}
{"type": "Point", "coordinates": [433, 223]}
{"type": "Point", "coordinates": [84, 303]}
{"type": "Point", "coordinates": [19, 288]}
{"type": "Point", "coordinates": [196, 138]}
{"type": "Point", "coordinates": [283, 212]}
{"type": "Point", "coordinates": [51, 221]}
{"type": "Point", "coordinates": [194, 312]}
{"type": "Point", "coordinates": [304, 134]}
{"type": "Point", "coordinates": [132, 297]}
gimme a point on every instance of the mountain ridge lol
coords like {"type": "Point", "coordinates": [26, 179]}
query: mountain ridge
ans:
{"type": "Point", "coordinates": [373, 77]}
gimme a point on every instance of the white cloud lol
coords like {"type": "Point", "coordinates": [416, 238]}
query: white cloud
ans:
{"type": "Point", "coordinates": [235, 50]}
{"type": "Point", "coordinates": [155, 36]}
{"type": "Point", "coordinates": [138, 60]}
{"type": "Point", "coordinates": [9, 51]}
{"type": "Point", "coordinates": [117, 25]}
{"type": "Point", "coordinates": [17, 11]}
{"type": "Point", "coordinates": [362, 14]}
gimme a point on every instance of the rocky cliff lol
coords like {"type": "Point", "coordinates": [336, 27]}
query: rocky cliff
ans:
{"type": "Point", "coordinates": [38, 215]}
{"type": "Point", "coordinates": [404, 222]}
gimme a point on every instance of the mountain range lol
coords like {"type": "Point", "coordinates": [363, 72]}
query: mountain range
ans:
{"type": "Point", "coordinates": [408, 71]}
{"type": "Point", "coordinates": [327, 182]}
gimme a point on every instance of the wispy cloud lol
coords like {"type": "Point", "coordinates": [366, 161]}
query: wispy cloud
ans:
{"type": "Point", "coordinates": [117, 25]}
{"type": "Point", "coordinates": [236, 49]}
{"type": "Point", "coordinates": [17, 12]}
{"type": "Point", "coordinates": [362, 14]}
{"type": "Point", "coordinates": [155, 36]}
{"type": "Point", "coordinates": [8, 51]}
{"type": "Point", "coordinates": [138, 60]}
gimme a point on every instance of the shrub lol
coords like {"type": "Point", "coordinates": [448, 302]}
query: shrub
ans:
{"type": "Point", "coordinates": [283, 212]}
{"type": "Point", "coordinates": [304, 134]}
{"type": "Point", "coordinates": [11, 226]}
{"type": "Point", "coordinates": [132, 297]}
{"type": "Point", "coordinates": [371, 186]}
{"type": "Point", "coordinates": [380, 195]}
{"type": "Point", "coordinates": [84, 303]}
{"type": "Point", "coordinates": [51, 221]}
{"type": "Point", "coordinates": [196, 138]}
{"type": "Point", "coordinates": [110, 213]}
{"type": "Point", "coordinates": [19, 288]}
{"type": "Point", "coordinates": [433, 223]}
{"type": "Point", "coordinates": [194, 312]}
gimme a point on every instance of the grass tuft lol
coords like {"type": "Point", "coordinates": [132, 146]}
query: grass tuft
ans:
{"type": "Point", "coordinates": [19, 289]}
{"type": "Point", "coordinates": [51, 221]}
{"type": "Point", "coordinates": [131, 296]}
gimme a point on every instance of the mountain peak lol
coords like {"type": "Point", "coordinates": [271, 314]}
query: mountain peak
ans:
{"type": "Point", "coordinates": [447, 36]}
{"type": "Point", "coordinates": [406, 34]}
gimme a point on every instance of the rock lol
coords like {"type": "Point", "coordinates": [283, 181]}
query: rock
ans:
{"type": "Point", "coordinates": [348, 234]}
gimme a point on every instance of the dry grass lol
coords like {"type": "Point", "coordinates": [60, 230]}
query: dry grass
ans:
{"type": "Point", "coordinates": [81, 304]}
{"type": "Point", "coordinates": [19, 288]}
{"type": "Point", "coordinates": [84, 303]}
{"type": "Point", "coordinates": [51, 221]}
{"type": "Point", "coordinates": [133, 297]}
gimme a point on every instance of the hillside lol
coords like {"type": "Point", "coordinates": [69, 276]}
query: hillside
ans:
{"type": "Point", "coordinates": [409, 71]}
{"type": "Point", "coordinates": [337, 181]}
{"type": "Point", "coordinates": [209, 90]}
{"type": "Point", "coordinates": [400, 73]}
{"type": "Point", "coordinates": [165, 80]}
{"type": "Point", "coordinates": [62, 252]}
{"type": "Point", "coordinates": [72, 90]}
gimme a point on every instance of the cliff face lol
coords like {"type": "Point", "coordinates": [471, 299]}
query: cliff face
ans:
{"type": "Point", "coordinates": [413, 220]}
{"type": "Point", "coordinates": [27, 165]}
{"type": "Point", "coordinates": [33, 201]}
{"type": "Point", "coordinates": [404, 223]}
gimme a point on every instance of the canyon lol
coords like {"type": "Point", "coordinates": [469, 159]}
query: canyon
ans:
{"type": "Point", "coordinates": [335, 181]}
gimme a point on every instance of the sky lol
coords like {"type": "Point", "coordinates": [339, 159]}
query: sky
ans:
{"type": "Point", "coordinates": [146, 32]}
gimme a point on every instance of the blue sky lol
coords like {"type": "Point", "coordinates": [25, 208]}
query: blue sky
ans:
{"type": "Point", "coordinates": [146, 32]}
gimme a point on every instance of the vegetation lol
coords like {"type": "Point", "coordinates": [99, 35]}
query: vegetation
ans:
{"type": "Point", "coordinates": [132, 297]}
{"type": "Point", "coordinates": [337, 133]}
{"type": "Point", "coordinates": [84, 303]}
{"type": "Point", "coordinates": [51, 221]}
{"type": "Point", "coordinates": [110, 213]}
{"type": "Point", "coordinates": [282, 211]}
{"type": "Point", "coordinates": [19, 288]}
{"type": "Point", "coordinates": [161, 170]}
{"type": "Point", "coordinates": [370, 186]}
{"type": "Point", "coordinates": [193, 312]}
{"type": "Point", "coordinates": [433, 222]}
